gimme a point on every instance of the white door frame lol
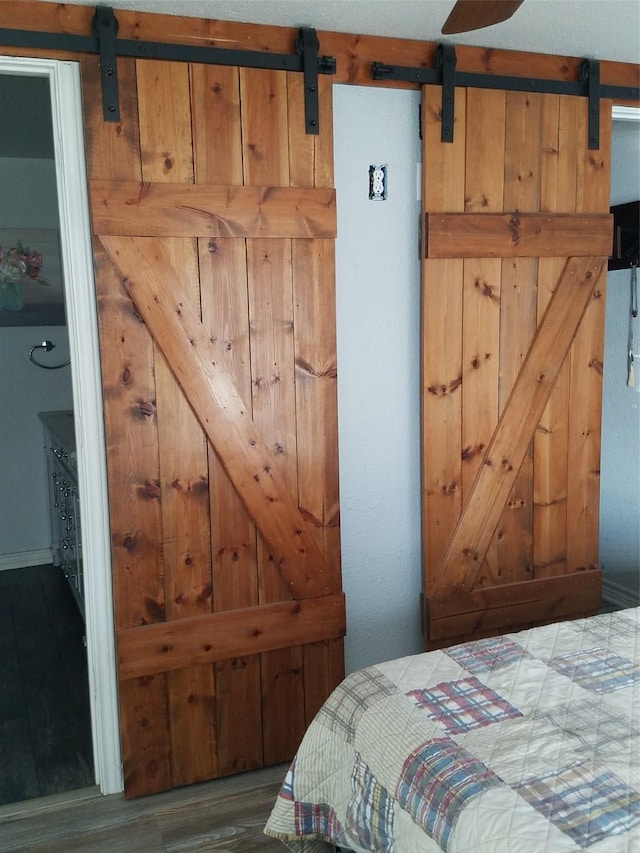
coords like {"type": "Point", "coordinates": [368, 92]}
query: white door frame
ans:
{"type": "Point", "coordinates": [80, 304]}
{"type": "Point", "coordinates": [625, 113]}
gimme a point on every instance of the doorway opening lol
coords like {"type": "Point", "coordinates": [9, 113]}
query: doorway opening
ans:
{"type": "Point", "coordinates": [620, 455]}
{"type": "Point", "coordinates": [78, 342]}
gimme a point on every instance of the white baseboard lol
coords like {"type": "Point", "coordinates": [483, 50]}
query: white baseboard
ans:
{"type": "Point", "coordinates": [619, 595]}
{"type": "Point", "coordinates": [23, 559]}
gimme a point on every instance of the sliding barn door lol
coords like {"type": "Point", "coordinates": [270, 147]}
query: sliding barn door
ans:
{"type": "Point", "coordinates": [214, 219]}
{"type": "Point", "coordinates": [517, 235]}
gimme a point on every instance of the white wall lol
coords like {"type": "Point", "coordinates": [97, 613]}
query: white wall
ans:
{"type": "Point", "coordinates": [29, 200]}
{"type": "Point", "coordinates": [620, 468]}
{"type": "Point", "coordinates": [378, 303]}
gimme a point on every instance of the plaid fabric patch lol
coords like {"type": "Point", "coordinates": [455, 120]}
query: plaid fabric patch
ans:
{"type": "Point", "coordinates": [344, 708]}
{"type": "Point", "coordinates": [438, 779]}
{"type": "Point", "coordinates": [460, 706]}
{"type": "Point", "coordinates": [585, 806]}
{"type": "Point", "coordinates": [596, 728]}
{"type": "Point", "coordinates": [286, 791]}
{"type": "Point", "coordinates": [607, 625]}
{"type": "Point", "coordinates": [597, 670]}
{"type": "Point", "coordinates": [370, 812]}
{"type": "Point", "coordinates": [318, 820]}
{"type": "Point", "coordinates": [487, 655]}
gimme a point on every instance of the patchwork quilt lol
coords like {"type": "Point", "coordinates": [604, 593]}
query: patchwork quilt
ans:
{"type": "Point", "coordinates": [522, 743]}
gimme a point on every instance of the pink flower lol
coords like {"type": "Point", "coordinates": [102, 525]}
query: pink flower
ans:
{"type": "Point", "coordinates": [19, 263]}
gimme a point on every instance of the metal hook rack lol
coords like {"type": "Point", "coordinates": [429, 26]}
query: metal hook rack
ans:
{"type": "Point", "coordinates": [47, 346]}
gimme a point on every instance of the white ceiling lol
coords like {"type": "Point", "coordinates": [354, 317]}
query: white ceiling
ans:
{"type": "Point", "coordinates": [600, 29]}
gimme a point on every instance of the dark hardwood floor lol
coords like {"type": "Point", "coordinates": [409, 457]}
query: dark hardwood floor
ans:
{"type": "Point", "coordinates": [45, 729]}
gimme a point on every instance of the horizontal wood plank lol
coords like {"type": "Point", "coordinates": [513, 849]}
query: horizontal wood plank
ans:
{"type": "Point", "coordinates": [507, 448]}
{"type": "Point", "coordinates": [506, 595]}
{"type": "Point", "coordinates": [517, 235]}
{"type": "Point", "coordinates": [513, 606]}
{"type": "Point", "coordinates": [147, 209]}
{"type": "Point", "coordinates": [206, 639]}
{"type": "Point", "coordinates": [195, 360]}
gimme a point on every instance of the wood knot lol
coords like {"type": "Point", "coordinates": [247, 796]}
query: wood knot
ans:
{"type": "Point", "coordinates": [206, 593]}
{"type": "Point", "coordinates": [150, 490]}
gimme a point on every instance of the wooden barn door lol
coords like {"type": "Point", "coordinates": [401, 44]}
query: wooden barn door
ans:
{"type": "Point", "coordinates": [214, 217]}
{"type": "Point", "coordinates": [517, 235]}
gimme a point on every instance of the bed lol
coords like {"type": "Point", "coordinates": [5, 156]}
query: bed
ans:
{"type": "Point", "coordinates": [520, 743]}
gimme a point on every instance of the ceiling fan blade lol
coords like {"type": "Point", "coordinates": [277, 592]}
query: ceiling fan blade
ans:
{"type": "Point", "coordinates": [469, 15]}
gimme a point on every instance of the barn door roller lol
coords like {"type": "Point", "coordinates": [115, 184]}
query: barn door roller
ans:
{"type": "Point", "coordinates": [105, 42]}
{"type": "Point", "coordinates": [444, 74]}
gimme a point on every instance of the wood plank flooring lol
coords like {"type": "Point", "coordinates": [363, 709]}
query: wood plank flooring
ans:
{"type": "Point", "coordinates": [45, 727]}
{"type": "Point", "coordinates": [223, 815]}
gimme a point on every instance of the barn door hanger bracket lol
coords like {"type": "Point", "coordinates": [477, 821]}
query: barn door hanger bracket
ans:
{"type": "Point", "coordinates": [105, 29]}
{"type": "Point", "coordinates": [446, 75]}
{"type": "Point", "coordinates": [446, 63]}
{"type": "Point", "coordinates": [307, 45]}
{"type": "Point", "coordinates": [590, 75]}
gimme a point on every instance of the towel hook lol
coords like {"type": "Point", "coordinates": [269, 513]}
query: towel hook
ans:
{"type": "Point", "coordinates": [47, 346]}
